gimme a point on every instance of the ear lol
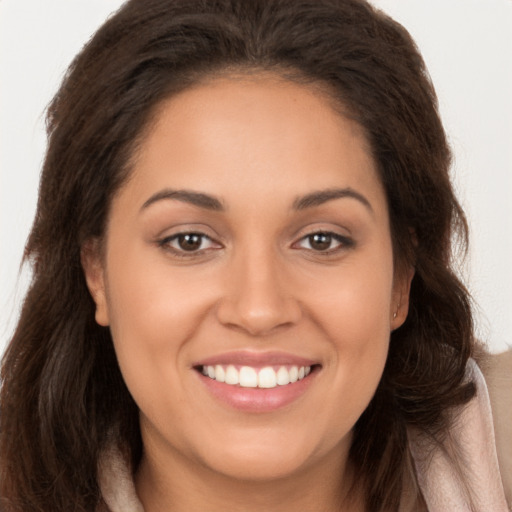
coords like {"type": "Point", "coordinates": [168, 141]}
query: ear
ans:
{"type": "Point", "coordinates": [400, 298]}
{"type": "Point", "coordinates": [93, 266]}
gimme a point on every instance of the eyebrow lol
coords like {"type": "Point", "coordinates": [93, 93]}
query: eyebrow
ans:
{"type": "Point", "coordinates": [187, 196]}
{"type": "Point", "coordinates": [322, 196]}
{"type": "Point", "coordinates": [209, 202]}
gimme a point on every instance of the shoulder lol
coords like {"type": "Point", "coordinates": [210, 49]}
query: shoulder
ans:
{"type": "Point", "coordinates": [461, 471]}
{"type": "Point", "coordinates": [497, 370]}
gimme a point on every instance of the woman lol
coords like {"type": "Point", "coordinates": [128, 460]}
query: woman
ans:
{"type": "Point", "coordinates": [242, 292]}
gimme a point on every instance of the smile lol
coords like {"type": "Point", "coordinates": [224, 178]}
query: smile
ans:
{"type": "Point", "coordinates": [249, 377]}
{"type": "Point", "coordinates": [257, 382]}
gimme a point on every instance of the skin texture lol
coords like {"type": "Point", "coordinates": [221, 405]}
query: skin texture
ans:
{"type": "Point", "coordinates": [256, 283]}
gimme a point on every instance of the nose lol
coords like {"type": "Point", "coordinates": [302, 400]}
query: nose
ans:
{"type": "Point", "coordinates": [258, 297]}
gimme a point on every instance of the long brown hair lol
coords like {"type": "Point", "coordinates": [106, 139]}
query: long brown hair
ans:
{"type": "Point", "coordinates": [63, 395]}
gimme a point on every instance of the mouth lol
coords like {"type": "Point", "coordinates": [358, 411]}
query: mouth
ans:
{"type": "Point", "coordinates": [257, 383]}
{"type": "Point", "coordinates": [266, 377]}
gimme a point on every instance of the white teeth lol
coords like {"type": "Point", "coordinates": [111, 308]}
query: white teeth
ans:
{"type": "Point", "coordinates": [267, 378]}
{"type": "Point", "coordinates": [231, 375]}
{"type": "Point", "coordinates": [249, 377]}
{"type": "Point", "coordinates": [220, 374]}
{"type": "Point", "coordinates": [283, 376]}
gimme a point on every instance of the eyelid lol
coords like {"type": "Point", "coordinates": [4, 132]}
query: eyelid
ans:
{"type": "Point", "coordinates": [186, 228]}
{"type": "Point", "coordinates": [344, 241]}
{"type": "Point", "coordinates": [165, 243]}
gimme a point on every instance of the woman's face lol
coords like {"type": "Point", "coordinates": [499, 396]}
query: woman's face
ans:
{"type": "Point", "coordinates": [251, 243]}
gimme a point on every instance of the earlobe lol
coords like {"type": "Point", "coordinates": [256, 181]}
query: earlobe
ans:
{"type": "Point", "coordinates": [94, 272]}
{"type": "Point", "coordinates": [400, 301]}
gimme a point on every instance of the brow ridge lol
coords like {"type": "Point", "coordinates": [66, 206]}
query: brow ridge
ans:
{"type": "Point", "coordinates": [187, 196]}
{"type": "Point", "coordinates": [209, 202]}
{"type": "Point", "coordinates": [320, 197]}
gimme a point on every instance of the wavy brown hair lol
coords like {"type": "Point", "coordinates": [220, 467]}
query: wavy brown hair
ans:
{"type": "Point", "coordinates": [62, 392]}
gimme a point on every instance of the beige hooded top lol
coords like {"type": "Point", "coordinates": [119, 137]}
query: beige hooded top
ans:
{"type": "Point", "coordinates": [471, 445]}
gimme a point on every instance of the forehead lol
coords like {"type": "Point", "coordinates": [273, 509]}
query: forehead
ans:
{"type": "Point", "coordinates": [248, 134]}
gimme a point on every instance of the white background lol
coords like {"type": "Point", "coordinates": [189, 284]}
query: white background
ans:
{"type": "Point", "coordinates": [467, 45]}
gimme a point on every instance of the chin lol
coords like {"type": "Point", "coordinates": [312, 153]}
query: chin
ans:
{"type": "Point", "coordinates": [253, 467]}
{"type": "Point", "coordinates": [275, 457]}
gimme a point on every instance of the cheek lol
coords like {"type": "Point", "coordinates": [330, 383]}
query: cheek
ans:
{"type": "Point", "coordinates": [150, 300]}
{"type": "Point", "coordinates": [353, 311]}
{"type": "Point", "coordinates": [153, 313]}
{"type": "Point", "coordinates": [353, 303]}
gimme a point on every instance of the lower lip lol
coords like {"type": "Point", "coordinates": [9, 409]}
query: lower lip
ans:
{"type": "Point", "coordinates": [258, 399]}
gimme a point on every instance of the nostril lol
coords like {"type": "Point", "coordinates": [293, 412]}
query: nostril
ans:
{"type": "Point", "coordinates": [258, 320]}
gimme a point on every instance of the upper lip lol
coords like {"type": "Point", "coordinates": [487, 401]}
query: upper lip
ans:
{"type": "Point", "coordinates": [256, 359]}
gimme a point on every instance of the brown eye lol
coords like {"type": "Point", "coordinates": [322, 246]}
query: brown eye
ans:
{"type": "Point", "coordinates": [320, 241]}
{"type": "Point", "coordinates": [190, 241]}
{"type": "Point", "coordinates": [182, 243]}
{"type": "Point", "coordinates": [325, 242]}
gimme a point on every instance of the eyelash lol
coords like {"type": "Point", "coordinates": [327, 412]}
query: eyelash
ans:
{"type": "Point", "coordinates": [166, 242]}
{"type": "Point", "coordinates": [344, 243]}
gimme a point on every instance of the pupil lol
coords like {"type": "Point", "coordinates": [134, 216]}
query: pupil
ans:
{"type": "Point", "coordinates": [320, 241]}
{"type": "Point", "coordinates": [189, 242]}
